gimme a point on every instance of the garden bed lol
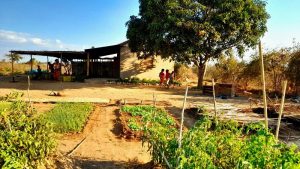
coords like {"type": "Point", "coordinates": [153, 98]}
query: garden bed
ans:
{"type": "Point", "coordinates": [134, 118]}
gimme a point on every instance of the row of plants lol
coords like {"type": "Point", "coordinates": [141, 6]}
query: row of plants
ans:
{"type": "Point", "coordinates": [212, 143]}
{"type": "Point", "coordinates": [136, 80]}
{"type": "Point", "coordinates": [25, 140]}
{"type": "Point", "coordinates": [68, 117]}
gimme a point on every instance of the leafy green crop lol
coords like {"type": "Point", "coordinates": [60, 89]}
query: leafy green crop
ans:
{"type": "Point", "coordinates": [133, 125]}
{"type": "Point", "coordinates": [68, 117]}
{"type": "Point", "coordinates": [208, 144]}
{"type": "Point", "coordinates": [25, 142]}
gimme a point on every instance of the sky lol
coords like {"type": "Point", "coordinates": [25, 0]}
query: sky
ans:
{"type": "Point", "coordinates": [82, 24]}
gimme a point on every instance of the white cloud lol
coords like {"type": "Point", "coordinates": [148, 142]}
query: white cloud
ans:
{"type": "Point", "coordinates": [14, 39]}
{"type": "Point", "coordinates": [38, 41]}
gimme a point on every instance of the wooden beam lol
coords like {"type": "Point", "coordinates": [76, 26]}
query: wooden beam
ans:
{"type": "Point", "coordinates": [88, 64]}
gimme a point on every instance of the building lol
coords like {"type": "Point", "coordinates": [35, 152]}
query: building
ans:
{"type": "Point", "coordinates": [116, 61]}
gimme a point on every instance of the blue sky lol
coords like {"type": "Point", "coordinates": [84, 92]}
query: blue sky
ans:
{"type": "Point", "coordinates": [81, 24]}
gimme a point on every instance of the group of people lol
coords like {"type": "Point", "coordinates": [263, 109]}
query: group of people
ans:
{"type": "Point", "coordinates": [55, 69]}
{"type": "Point", "coordinates": [166, 78]}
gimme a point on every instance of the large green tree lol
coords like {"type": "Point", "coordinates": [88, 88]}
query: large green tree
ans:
{"type": "Point", "coordinates": [195, 31]}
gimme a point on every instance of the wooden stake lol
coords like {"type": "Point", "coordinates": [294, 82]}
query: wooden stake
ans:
{"type": "Point", "coordinates": [154, 100]}
{"type": "Point", "coordinates": [214, 95]}
{"type": "Point", "coordinates": [47, 64]}
{"type": "Point", "coordinates": [264, 85]}
{"type": "Point", "coordinates": [182, 117]}
{"type": "Point", "coordinates": [31, 63]}
{"type": "Point", "coordinates": [12, 67]}
{"type": "Point", "coordinates": [28, 88]}
{"type": "Point", "coordinates": [281, 108]}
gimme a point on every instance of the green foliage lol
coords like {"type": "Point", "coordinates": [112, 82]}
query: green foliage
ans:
{"type": "Point", "coordinates": [212, 145]}
{"type": "Point", "coordinates": [68, 117]}
{"type": "Point", "coordinates": [25, 142]}
{"type": "Point", "coordinates": [293, 70]}
{"type": "Point", "coordinates": [14, 57]}
{"type": "Point", "coordinates": [133, 125]}
{"type": "Point", "coordinates": [228, 69]}
{"type": "Point", "coordinates": [4, 105]}
{"type": "Point", "coordinates": [195, 31]}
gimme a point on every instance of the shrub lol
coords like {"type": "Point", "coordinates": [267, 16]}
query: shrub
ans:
{"type": "Point", "coordinates": [25, 142]}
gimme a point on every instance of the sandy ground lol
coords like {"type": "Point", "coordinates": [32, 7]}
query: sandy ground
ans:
{"type": "Point", "coordinates": [102, 146]}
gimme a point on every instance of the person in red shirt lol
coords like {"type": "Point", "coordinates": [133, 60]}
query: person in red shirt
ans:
{"type": "Point", "coordinates": [162, 77]}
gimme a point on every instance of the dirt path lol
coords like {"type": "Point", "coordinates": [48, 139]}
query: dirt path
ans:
{"type": "Point", "coordinates": [103, 148]}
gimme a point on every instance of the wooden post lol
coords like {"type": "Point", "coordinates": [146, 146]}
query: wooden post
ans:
{"type": "Point", "coordinates": [47, 64]}
{"type": "Point", "coordinates": [60, 66]}
{"type": "Point", "coordinates": [88, 65]}
{"type": "Point", "coordinates": [264, 85]}
{"type": "Point", "coordinates": [281, 108]}
{"type": "Point", "coordinates": [214, 95]}
{"type": "Point", "coordinates": [31, 63]}
{"type": "Point", "coordinates": [12, 67]}
{"type": "Point", "coordinates": [182, 117]}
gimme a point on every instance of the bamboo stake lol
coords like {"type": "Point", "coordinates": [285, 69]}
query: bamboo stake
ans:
{"type": "Point", "coordinates": [264, 84]}
{"type": "Point", "coordinates": [281, 108]}
{"type": "Point", "coordinates": [214, 95]}
{"type": "Point", "coordinates": [182, 117]}
{"type": "Point", "coordinates": [28, 88]}
{"type": "Point", "coordinates": [12, 67]}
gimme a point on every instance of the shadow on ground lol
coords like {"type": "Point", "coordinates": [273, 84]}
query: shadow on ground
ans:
{"type": "Point", "coordinates": [83, 163]}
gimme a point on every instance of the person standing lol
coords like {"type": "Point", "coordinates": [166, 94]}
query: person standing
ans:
{"type": "Point", "coordinates": [171, 79]}
{"type": "Point", "coordinates": [57, 69]}
{"type": "Point", "coordinates": [162, 77]}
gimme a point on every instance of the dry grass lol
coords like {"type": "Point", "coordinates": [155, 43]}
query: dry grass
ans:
{"type": "Point", "coordinates": [19, 68]}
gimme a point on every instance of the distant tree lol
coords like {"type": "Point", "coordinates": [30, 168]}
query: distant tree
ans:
{"type": "Point", "coordinates": [14, 57]}
{"type": "Point", "coordinates": [276, 63]}
{"type": "Point", "coordinates": [293, 70]}
{"type": "Point", "coordinates": [229, 68]}
{"type": "Point", "coordinates": [195, 31]}
{"type": "Point", "coordinates": [250, 73]}
{"type": "Point", "coordinates": [33, 60]}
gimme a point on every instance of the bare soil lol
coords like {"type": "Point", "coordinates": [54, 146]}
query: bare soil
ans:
{"type": "Point", "coordinates": [103, 146]}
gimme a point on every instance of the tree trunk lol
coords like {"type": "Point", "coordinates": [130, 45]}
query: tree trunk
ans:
{"type": "Point", "coordinates": [201, 74]}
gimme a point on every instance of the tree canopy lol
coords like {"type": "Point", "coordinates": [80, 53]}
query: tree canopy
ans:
{"type": "Point", "coordinates": [194, 31]}
{"type": "Point", "coordinates": [14, 57]}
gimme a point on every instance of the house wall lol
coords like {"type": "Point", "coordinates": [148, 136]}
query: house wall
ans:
{"type": "Point", "coordinates": [131, 66]}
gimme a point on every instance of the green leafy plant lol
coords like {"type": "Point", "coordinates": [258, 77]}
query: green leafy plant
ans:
{"type": "Point", "coordinates": [212, 143]}
{"type": "Point", "coordinates": [133, 125]}
{"type": "Point", "coordinates": [25, 141]}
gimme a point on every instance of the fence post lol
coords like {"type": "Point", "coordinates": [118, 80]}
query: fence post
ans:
{"type": "Point", "coordinates": [214, 95]}
{"type": "Point", "coordinates": [264, 85]}
{"type": "Point", "coordinates": [281, 108]}
{"type": "Point", "coordinates": [182, 117]}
